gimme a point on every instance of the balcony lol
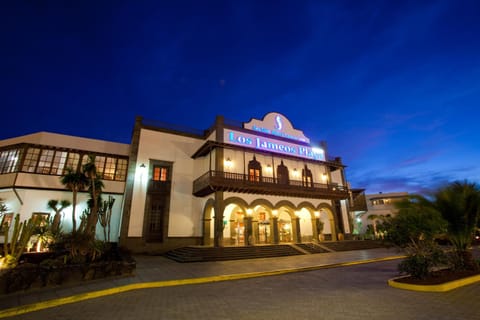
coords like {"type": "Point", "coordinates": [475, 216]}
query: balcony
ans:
{"type": "Point", "coordinates": [236, 182]}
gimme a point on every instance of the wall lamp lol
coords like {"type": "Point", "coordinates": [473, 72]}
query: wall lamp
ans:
{"type": "Point", "coordinates": [228, 163]}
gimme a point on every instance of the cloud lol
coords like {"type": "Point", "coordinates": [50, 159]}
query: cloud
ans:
{"type": "Point", "coordinates": [420, 159]}
{"type": "Point", "coordinates": [414, 181]}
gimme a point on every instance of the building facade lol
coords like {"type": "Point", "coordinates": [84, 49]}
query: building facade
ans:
{"type": "Point", "coordinates": [31, 168]}
{"type": "Point", "coordinates": [234, 184]}
{"type": "Point", "coordinates": [253, 183]}
{"type": "Point", "coordinates": [379, 205]}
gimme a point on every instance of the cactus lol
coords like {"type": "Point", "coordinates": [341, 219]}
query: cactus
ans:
{"type": "Point", "coordinates": [13, 248]}
{"type": "Point", "coordinates": [104, 217]}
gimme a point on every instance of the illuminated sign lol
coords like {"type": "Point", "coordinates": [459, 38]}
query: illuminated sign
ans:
{"type": "Point", "coordinates": [277, 125]}
{"type": "Point", "coordinates": [272, 145]}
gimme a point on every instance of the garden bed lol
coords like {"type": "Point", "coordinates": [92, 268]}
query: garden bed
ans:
{"type": "Point", "coordinates": [439, 277]}
{"type": "Point", "coordinates": [43, 270]}
{"type": "Point", "coordinates": [439, 281]}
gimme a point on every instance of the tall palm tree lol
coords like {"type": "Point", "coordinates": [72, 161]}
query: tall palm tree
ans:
{"type": "Point", "coordinates": [459, 204]}
{"type": "Point", "coordinates": [375, 218]}
{"type": "Point", "coordinates": [76, 182]}
{"type": "Point", "coordinates": [53, 204]}
{"type": "Point", "coordinates": [95, 189]}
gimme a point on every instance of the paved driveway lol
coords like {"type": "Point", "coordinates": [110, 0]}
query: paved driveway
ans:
{"type": "Point", "coordinates": [353, 292]}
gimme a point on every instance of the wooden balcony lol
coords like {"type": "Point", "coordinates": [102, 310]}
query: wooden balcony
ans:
{"type": "Point", "coordinates": [236, 182]}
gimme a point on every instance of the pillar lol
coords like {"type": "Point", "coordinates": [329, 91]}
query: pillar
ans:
{"type": "Point", "coordinates": [275, 235]}
{"type": "Point", "coordinates": [248, 230]}
{"type": "Point", "coordinates": [206, 232]}
{"type": "Point", "coordinates": [297, 234]}
{"type": "Point", "coordinates": [218, 222]}
{"type": "Point", "coordinates": [315, 229]}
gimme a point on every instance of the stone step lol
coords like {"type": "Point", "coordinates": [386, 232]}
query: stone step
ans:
{"type": "Point", "coordinates": [201, 253]}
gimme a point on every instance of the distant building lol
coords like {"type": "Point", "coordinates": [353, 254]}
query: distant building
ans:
{"type": "Point", "coordinates": [378, 205]}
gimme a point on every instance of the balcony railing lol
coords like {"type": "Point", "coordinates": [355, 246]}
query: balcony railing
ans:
{"type": "Point", "coordinates": [213, 181]}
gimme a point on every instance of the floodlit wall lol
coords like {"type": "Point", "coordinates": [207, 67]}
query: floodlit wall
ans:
{"type": "Point", "coordinates": [185, 210]}
{"type": "Point", "coordinates": [28, 201]}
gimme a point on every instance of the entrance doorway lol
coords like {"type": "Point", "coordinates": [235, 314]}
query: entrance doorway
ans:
{"type": "Point", "coordinates": [263, 228]}
{"type": "Point", "coordinates": [285, 232]}
{"type": "Point", "coordinates": [238, 229]}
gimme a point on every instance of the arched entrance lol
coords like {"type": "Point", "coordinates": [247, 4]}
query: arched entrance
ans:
{"type": "Point", "coordinates": [327, 222]}
{"type": "Point", "coordinates": [305, 225]}
{"type": "Point", "coordinates": [234, 232]}
{"type": "Point", "coordinates": [285, 228]}
{"type": "Point", "coordinates": [261, 221]}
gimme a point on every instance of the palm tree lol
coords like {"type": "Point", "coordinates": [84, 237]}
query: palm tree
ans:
{"type": "Point", "coordinates": [95, 189]}
{"type": "Point", "coordinates": [53, 204]}
{"type": "Point", "coordinates": [374, 218]}
{"type": "Point", "coordinates": [459, 204]}
{"type": "Point", "coordinates": [76, 182]}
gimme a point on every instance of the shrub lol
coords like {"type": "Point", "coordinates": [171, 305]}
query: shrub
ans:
{"type": "Point", "coordinates": [422, 260]}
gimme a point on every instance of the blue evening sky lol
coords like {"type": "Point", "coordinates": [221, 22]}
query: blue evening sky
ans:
{"type": "Point", "coordinates": [392, 86]}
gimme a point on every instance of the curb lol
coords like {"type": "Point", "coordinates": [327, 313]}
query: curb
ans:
{"type": "Point", "coordinates": [170, 283]}
{"type": "Point", "coordinates": [444, 287]}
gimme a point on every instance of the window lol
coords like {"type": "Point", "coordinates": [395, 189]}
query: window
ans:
{"type": "Point", "coordinates": [56, 161]}
{"type": "Point", "coordinates": [31, 159]}
{"type": "Point", "coordinates": [9, 160]}
{"type": "Point", "coordinates": [59, 161]}
{"type": "Point", "coordinates": [100, 165]}
{"type": "Point", "coordinates": [282, 174]}
{"type": "Point", "coordinates": [72, 161]}
{"type": "Point", "coordinates": [121, 172]}
{"type": "Point", "coordinates": [307, 178]}
{"type": "Point", "coordinates": [254, 170]}
{"type": "Point", "coordinates": [41, 217]}
{"type": "Point", "coordinates": [45, 162]}
{"type": "Point", "coordinates": [109, 173]}
{"type": "Point", "coordinates": [85, 160]}
{"type": "Point", "coordinates": [160, 173]}
{"type": "Point", "coordinates": [6, 221]}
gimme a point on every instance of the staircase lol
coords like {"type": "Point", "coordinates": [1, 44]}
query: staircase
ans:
{"type": "Point", "coordinates": [200, 253]}
{"type": "Point", "coordinates": [353, 245]}
{"type": "Point", "coordinates": [196, 254]}
{"type": "Point", "coordinates": [311, 247]}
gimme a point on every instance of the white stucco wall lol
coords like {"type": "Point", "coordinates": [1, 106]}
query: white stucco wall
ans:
{"type": "Point", "coordinates": [185, 210]}
{"type": "Point", "coordinates": [36, 201]}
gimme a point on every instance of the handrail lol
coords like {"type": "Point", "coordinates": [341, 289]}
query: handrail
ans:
{"type": "Point", "coordinates": [244, 179]}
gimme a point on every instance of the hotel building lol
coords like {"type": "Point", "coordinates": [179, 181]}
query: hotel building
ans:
{"type": "Point", "coordinates": [252, 183]}
{"type": "Point", "coordinates": [234, 184]}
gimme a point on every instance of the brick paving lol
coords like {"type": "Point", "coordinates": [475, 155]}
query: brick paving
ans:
{"type": "Point", "coordinates": [349, 292]}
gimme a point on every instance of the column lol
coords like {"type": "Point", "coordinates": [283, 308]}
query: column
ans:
{"type": "Point", "coordinates": [297, 234]}
{"type": "Point", "coordinates": [248, 230]}
{"type": "Point", "coordinates": [315, 229]}
{"type": "Point", "coordinates": [275, 235]}
{"type": "Point", "coordinates": [218, 222]}
{"type": "Point", "coordinates": [206, 232]}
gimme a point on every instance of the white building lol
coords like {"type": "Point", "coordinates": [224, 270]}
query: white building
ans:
{"type": "Point", "coordinates": [259, 182]}
{"type": "Point", "coordinates": [252, 183]}
{"type": "Point", "coordinates": [379, 205]}
{"type": "Point", "coordinates": [31, 167]}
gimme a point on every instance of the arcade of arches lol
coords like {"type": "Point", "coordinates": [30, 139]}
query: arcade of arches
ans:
{"type": "Point", "coordinates": [262, 222]}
